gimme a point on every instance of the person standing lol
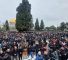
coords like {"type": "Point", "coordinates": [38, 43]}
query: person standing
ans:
{"type": "Point", "coordinates": [1, 55]}
{"type": "Point", "coordinates": [39, 56]}
{"type": "Point", "coordinates": [20, 49]}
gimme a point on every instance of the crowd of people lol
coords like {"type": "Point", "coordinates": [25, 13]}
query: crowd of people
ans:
{"type": "Point", "coordinates": [34, 46]}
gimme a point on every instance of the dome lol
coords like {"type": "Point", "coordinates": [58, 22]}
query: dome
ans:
{"type": "Point", "coordinates": [12, 20]}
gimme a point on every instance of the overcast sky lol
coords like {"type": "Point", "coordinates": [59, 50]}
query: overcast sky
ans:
{"type": "Point", "coordinates": [53, 12]}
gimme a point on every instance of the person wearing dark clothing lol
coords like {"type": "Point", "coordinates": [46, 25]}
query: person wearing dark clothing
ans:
{"type": "Point", "coordinates": [6, 57]}
{"type": "Point", "coordinates": [1, 55]}
{"type": "Point", "coordinates": [15, 53]}
{"type": "Point", "coordinates": [39, 56]}
{"type": "Point", "coordinates": [20, 49]}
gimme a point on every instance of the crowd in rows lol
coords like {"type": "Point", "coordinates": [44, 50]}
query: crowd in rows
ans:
{"type": "Point", "coordinates": [34, 46]}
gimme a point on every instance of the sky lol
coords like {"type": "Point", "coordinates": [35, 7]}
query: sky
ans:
{"type": "Point", "coordinates": [53, 12]}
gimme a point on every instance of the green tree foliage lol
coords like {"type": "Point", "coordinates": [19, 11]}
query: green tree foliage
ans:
{"type": "Point", "coordinates": [67, 25]}
{"type": "Point", "coordinates": [66, 29]}
{"type": "Point", "coordinates": [47, 29]}
{"type": "Point", "coordinates": [42, 25]}
{"type": "Point", "coordinates": [24, 17]}
{"type": "Point", "coordinates": [62, 26]}
{"type": "Point", "coordinates": [58, 28]}
{"type": "Point", "coordinates": [6, 26]}
{"type": "Point", "coordinates": [0, 29]}
{"type": "Point", "coordinates": [51, 28]}
{"type": "Point", "coordinates": [37, 24]}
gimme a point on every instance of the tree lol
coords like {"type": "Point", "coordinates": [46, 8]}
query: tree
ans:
{"type": "Point", "coordinates": [58, 28]}
{"type": "Point", "coordinates": [6, 26]}
{"type": "Point", "coordinates": [53, 28]}
{"type": "Point", "coordinates": [66, 25]}
{"type": "Point", "coordinates": [46, 28]}
{"type": "Point", "coordinates": [66, 29]}
{"type": "Point", "coordinates": [24, 17]}
{"type": "Point", "coordinates": [62, 26]}
{"type": "Point", "coordinates": [41, 25]}
{"type": "Point", "coordinates": [37, 24]}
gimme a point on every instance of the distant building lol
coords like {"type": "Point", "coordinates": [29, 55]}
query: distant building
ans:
{"type": "Point", "coordinates": [12, 23]}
